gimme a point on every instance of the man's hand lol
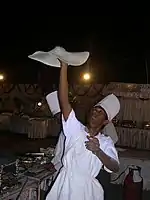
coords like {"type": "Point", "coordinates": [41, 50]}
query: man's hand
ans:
{"type": "Point", "coordinates": [63, 64]}
{"type": "Point", "coordinates": [93, 144]}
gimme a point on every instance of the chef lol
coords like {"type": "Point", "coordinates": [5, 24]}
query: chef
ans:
{"type": "Point", "coordinates": [109, 130]}
{"type": "Point", "coordinates": [86, 149]}
{"type": "Point", "coordinates": [52, 100]}
{"type": "Point", "coordinates": [53, 103]}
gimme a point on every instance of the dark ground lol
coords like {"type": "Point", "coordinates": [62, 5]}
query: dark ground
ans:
{"type": "Point", "coordinates": [12, 145]}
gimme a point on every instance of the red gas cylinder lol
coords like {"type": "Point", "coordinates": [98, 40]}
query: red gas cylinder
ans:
{"type": "Point", "coordinates": [133, 184]}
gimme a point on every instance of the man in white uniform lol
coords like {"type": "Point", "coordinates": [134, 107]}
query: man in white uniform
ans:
{"type": "Point", "coordinates": [52, 100]}
{"type": "Point", "coordinates": [86, 149]}
{"type": "Point", "coordinates": [53, 103]}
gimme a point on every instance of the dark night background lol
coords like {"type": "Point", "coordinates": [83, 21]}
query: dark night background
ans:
{"type": "Point", "coordinates": [119, 46]}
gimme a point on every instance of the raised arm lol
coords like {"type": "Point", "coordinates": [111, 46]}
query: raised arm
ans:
{"type": "Point", "coordinates": [63, 91]}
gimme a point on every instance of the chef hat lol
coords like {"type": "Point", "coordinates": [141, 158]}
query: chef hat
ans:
{"type": "Point", "coordinates": [52, 100]}
{"type": "Point", "coordinates": [110, 130]}
{"type": "Point", "coordinates": [111, 105]}
{"type": "Point", "coordinates": [51, 57]}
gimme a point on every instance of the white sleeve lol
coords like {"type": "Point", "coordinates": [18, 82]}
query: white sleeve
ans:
{"type": "Point", "coordinates": [111, 152]}
{"type": "Point", "coordinates": [71, 127]}
{"type": "Point", "coordinates": [59, 149]}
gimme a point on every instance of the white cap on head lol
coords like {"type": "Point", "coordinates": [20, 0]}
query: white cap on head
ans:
{"type": "Point", "coordinates": [111, 105]}
{"type": "Point", "coordinates": [53, 103]}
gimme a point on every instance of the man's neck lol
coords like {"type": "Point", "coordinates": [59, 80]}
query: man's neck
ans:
{"type": "Point", "coordinates": [93, 131]}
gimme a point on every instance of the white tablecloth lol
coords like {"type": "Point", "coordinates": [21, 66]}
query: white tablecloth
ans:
{"type": "Point", "coordinates": [5, 120]}
{"type": "Point", "coordinates": [43, 127]}
{"type": "Point", "coordinates": [35, 127]}
{"type": "Point", "coordinates": [19, 125]}
{"type": "Point", "coordinates": [133, 137]}
{"type": "Point", "coordinates": [145, 170]}
{"type": "Point", "coordinates": [38, 128]}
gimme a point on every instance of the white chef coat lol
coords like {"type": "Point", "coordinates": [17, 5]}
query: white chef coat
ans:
{"type": "Point", "coordinates": [59, 151]}
{"type": "Point", "coordinates": [77, 178]}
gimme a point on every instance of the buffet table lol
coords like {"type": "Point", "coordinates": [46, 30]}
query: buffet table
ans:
{"type": "Point", "coordinates": [133, 137]}
{"type": "Point", "coordinates": [138, 158]}
{"type": "Point", "coordinates": [5, 121]}
{"type": "Point", "coordinates": [42, 127]}
{"type": "Point", "coordinates": [19, 124]}
{"type": "Point", "coordinates": [36, 128]}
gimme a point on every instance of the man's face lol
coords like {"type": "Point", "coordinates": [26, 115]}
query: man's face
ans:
{"type": "Point", "coordinates": [97, 118]}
